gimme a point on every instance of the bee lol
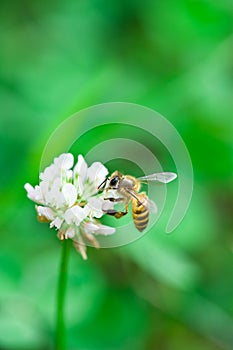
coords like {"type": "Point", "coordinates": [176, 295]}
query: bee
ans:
{"type": "Point", "coordinates": [127, 188]}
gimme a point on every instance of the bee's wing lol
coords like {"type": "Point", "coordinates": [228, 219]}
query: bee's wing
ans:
{"type": "Point", "coordinates": [159, 177]}
{"type": "Point", "coordinates": [152, 206]}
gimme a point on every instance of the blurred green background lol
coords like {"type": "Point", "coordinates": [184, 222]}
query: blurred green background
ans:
{"type": "Point", "coordinates": [161, 292]}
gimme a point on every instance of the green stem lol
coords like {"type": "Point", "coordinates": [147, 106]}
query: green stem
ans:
{"type": "Point", "coordinates": [60, 336]}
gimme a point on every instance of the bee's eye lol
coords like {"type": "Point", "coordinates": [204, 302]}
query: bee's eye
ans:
{"type": "Point", "coordinates": [114, 181]}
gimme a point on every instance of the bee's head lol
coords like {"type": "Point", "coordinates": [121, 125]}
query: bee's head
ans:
{"type": "Point", "coordinates": [114, 180]}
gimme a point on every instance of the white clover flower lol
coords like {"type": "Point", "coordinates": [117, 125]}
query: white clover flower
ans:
{"type": "Point", "coordinates": [69, 200]}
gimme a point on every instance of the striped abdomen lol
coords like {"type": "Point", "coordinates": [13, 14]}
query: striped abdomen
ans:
{"type": "Point", "coordinates": [140, 211]}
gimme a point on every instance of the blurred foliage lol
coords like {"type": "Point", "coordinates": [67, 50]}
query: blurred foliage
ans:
{"type": "Point", "coordinates": [161, 292]}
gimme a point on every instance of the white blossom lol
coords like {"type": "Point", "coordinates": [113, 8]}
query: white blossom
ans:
{"type": "Point", "coordinates": [87, 179]}
{"type": "Point", "coordinates": [69, 200]}
{"type": "Point", "coordinates": [96, 228]}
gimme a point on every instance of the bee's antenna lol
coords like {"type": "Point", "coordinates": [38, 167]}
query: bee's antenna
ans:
{"type": "Point", "coordinates": [102, 184]}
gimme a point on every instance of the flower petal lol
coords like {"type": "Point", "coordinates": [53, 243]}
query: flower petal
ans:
{"type": "Point", "coordinates": [105, 230]}
{"type": "Point", "coordinates": [69, 175]}
{"type": "Point", "coordinates": [70, 233]}
{"type": "Point", "coordinates": [96, 228]}
{"type": "Point", "coordinates": [96, 173]}
{"type": "Point", "coordinates": [54, 196]}
{"type": "Point", "coordinates": [76, 214]}
{"type": "Point", "coordinates": [49, 173]}
{"type": "Point", "coordinates": [80, 171]}
{"type": "Point", "coordinates": [95, 204]}
{"type": "Point", "coordinates": [62, 163]}
{"type": "Point", "coordinates": [70, 194]}
{"type": "Point", "coordinates": [90, 227]}
{"type": "Point", "coordinates": [80, 247]}
{"type": "Point", "coordinates": [91, 239]}
{"type": "Point", "coordinates": [80, 168]}
{"type": "Point", "coordinates": [45, 211]}
{"type": "Point", "coordinates": [57, 223]}
{"type": "Point", "coordinates": [34, 193]}
{"type": "Point", "coordinates": [65, 161]}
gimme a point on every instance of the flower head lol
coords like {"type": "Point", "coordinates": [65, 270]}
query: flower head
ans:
{"type": "Point", "coordinates": [69, 200]}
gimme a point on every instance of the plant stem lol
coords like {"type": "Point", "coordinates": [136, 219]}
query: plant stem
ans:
{"type": "Point", "coordinates": [60, 334]}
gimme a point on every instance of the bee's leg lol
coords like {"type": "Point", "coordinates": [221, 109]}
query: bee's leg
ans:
{"type": "Point", "coordinates": [112, 199]}
{"type": "Point", "coordinates": [117, 214]}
